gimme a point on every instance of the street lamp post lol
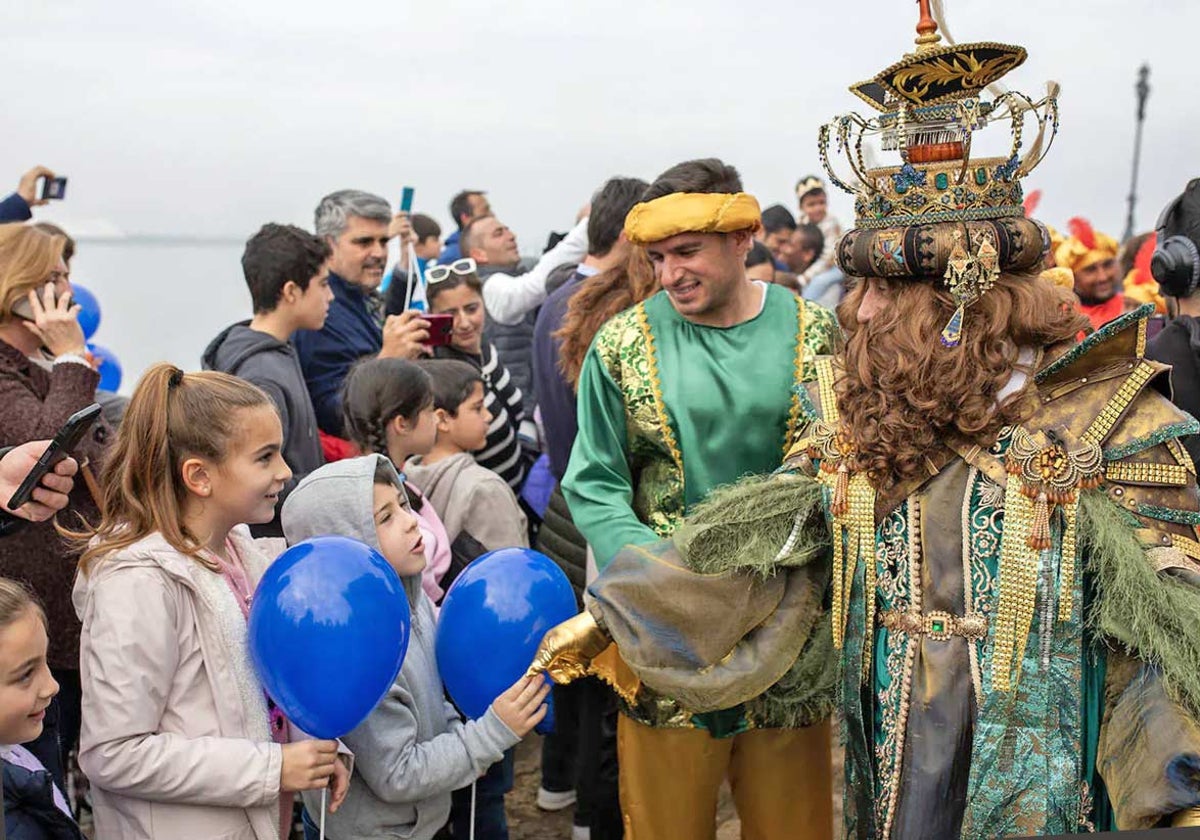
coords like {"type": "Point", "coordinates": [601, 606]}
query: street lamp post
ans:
{"type": "Point", "coordinates": [1143, 93]}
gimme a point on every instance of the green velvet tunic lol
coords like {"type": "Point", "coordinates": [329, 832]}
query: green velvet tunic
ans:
{"type": "Point", "coordinates": [669, 409]}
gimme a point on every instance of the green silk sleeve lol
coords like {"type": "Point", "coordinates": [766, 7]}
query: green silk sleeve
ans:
{"type": "Point", "coordinates": [598, 485]}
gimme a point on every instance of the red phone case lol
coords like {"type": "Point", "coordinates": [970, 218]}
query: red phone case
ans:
{"type": "Point", "coordinates": [441, 329]}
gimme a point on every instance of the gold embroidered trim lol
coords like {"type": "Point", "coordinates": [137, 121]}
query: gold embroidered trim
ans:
{"type": "Point", "coordinates": [797, 378]}
{"type": "Point", "coordinates": [1141, 337]}
{"type": "Point", "coordinates": [938, 625]}
{"type": "Point", "coordinates": [968, 583]}
{"type": "Point", "coordinates": [660, 405]}
{"type": "Point", "coordinates": [1141, 472]}
{"type": "Point", "coordinates": [1181, 455]}
{"type": "Point", "coordinates": [1115, 409]}
{"type": "Point", "coordinates": [891, 785]}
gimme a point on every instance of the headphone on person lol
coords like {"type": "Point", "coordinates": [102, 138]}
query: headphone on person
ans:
{"type": "Point", "coordinates": [1176, 260]}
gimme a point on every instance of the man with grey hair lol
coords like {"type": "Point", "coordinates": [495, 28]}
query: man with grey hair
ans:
{"type": "Point", "coordinates": [357, 225]}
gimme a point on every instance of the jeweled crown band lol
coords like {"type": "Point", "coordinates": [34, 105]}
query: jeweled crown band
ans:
{"type": "Point", "coordinates": [670, 215]}
{"type": "Point", "coordinates": [923, 252]}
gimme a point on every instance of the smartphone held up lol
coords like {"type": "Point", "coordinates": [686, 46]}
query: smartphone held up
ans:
{"type": "Point", "coordinates": [51, 188]}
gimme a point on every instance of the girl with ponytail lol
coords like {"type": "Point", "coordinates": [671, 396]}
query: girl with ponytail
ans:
{"type": "Point", "coordinates": [179, 740]}
{"type": "Point", "coordinates": [388, 406]}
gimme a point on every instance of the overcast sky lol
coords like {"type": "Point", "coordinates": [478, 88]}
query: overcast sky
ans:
{"type": "Point", "coordinates": [210, 118]}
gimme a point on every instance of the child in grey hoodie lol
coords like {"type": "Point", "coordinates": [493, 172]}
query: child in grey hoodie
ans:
{"type": "Point", "coordinates": [413, 749]}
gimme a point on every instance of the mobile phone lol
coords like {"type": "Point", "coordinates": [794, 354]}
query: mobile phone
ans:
{"type": "Point", "coordinates": [441, 329]}
{"type": "Point", "coordinates": [24, 310]}
{"type": "Point", "coordinates": [406, 198]}
{"type": "Point", "coordinates": [64, 444]}
{"type": "Point", "coordinates": [53, 189]}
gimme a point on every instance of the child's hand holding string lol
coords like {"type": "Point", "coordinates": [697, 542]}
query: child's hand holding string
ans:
{"type": "Point", "coordinates": [308, 765]}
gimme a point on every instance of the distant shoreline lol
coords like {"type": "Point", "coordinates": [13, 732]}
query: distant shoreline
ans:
{"type": "Point", "coordinates": [160, 239]}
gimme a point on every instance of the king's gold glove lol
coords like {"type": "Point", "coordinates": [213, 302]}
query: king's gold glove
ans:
{"type": "Point", "coordinates": [568, 649]}
{"type": "Point", "coordinates": [1186, 817]}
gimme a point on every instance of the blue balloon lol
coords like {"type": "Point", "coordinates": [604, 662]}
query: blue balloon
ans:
{"type": "Point", "coordinates": [89, 315]}
{"type": "Point", "coordinates": [492, 620]}
{"type": "Point", "coordinates": [329, 628]}
{"type": "Point", "coordinates": [110, 367]}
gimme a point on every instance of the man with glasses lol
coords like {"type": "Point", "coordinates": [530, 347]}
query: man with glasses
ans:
{"type": "Point", "coordinates": [355, 224]}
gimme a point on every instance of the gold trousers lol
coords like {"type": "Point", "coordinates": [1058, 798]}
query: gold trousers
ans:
{"type": "Point", "coordinates": [671, 778]}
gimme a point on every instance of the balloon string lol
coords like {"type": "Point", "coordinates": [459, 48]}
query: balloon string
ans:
{"type": "Point", "coordinates": [323, 791]}
{"type": "Point", "coordinates": [473, 784]}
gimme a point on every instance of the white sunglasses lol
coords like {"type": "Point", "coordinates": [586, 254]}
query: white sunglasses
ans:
{"type": "Point", "coordinates": [462, 267]}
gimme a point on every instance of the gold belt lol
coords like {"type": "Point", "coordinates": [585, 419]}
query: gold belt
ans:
{"type": "Point", "coordinates": [937, 625]}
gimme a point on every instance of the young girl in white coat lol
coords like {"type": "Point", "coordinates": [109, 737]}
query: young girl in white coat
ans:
{"type": "Point", "coordinates": [179, 740]}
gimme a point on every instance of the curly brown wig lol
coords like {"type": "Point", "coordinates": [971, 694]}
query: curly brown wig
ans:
{"type": "Point", "coordinates": [902, 391]}
{"type": "Point", "coordinates": [597, 300]}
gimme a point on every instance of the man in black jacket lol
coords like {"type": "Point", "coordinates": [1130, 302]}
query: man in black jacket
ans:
{"type": "Point", "coordinates": [1179, 280]}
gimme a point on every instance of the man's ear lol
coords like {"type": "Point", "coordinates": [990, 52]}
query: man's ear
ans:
{"type": "Point", "coordinates": [743, 240]}
{"type": "Point", "coordinates": [196, 476]}
{"type": "Point", "coordinates": [290, 293]}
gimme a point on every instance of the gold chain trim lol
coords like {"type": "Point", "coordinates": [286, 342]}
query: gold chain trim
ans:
{"type": "Point", "coordinates": [825, 390]}
{"type": "Point", "coordinates": [1181, 455]}
{"type": "Point", "coordinates": [797, 378]}
{"type": "Point", "coordinates": [1187, 545]}
{"type": "Point", "coordinates": [660, 405]}
{"type": "Point", "coordinates": [853, 542]}
{"type": "Point", "coordinates": [1018, 587]}
{"type": "Point", "coordinates": [1115, 409]}
{"type": "Point", "coordinates": [1141, 472]}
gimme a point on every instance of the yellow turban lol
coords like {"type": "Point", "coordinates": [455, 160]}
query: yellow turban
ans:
{"type": "Point", "coordinates": [1084, 247]}
{"type": "Point", "coordinates": [662, 218]}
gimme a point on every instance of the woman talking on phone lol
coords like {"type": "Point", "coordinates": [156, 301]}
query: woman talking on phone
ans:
{"type": "Point", "coordinates": [456, 290]}
{"type": "Point", "coordinates": [45, 377]}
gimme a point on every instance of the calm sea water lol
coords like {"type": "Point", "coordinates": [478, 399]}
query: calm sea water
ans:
{"type": "Point", "coordinates": [161, 300]}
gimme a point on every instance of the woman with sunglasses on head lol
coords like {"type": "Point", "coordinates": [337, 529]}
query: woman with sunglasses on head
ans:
{"type": "Point", "coordinates": [45, 377]}
{"type": "Point", "coordinates": [456, 289]}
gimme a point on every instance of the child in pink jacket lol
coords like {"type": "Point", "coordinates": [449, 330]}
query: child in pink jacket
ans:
{"type": "Point", "coordinates": [179, 741]}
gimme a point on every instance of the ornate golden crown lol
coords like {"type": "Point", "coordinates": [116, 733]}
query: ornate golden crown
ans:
{"type": "Point", "coordinates": [931, 104]}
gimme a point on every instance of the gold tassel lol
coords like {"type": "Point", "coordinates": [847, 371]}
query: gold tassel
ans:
{"type": "Point", "coordinates": [840, 504]}
{"type": "Point", "coordinates": [1039, 530]}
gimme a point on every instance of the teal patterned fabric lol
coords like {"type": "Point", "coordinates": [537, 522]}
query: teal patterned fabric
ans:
{"type": "Point", "coordinates": [1033, 751]}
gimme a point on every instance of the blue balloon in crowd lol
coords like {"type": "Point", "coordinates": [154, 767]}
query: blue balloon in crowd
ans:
{"type": "Point", "coordinates": [110, 367]}
{"type": "Point", "coordinates": [329, 628]}
{"type": "Point", "coordinates": [492, 620]}
{"type": "Point", "coordinates": [89, 314]}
